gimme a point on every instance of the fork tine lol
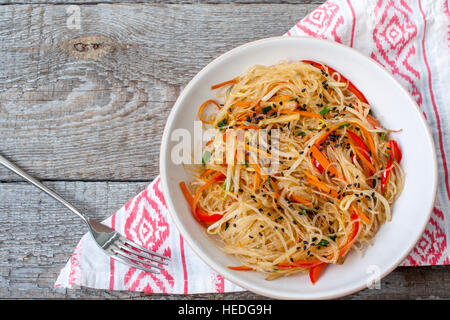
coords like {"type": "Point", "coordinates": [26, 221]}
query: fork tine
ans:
{"type": "Point", "coordinates": [141, 254]}
{"type": "Point", "coordinates": [143, 249]}
{"type": "Point", "coordinates": [133, 258]}
{"type": "Point", "coordinates": [131, 263]}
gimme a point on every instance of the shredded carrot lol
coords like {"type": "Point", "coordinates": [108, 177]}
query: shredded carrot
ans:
{"type": "Point", "coordinates": [321, 185]}
{"type": "Point", "coordinates": [200, 110]}
{"type": "Point", "coordinates": [325, 135]}
{"type": "Point", "coordinates": [232, 81]}
{"type": "Point", "coordinates": [370, 142]}
{"type": "Point", "coordinates": [242, 103]}
{"type": "Point", "coordinates": [241, 268]}
{"type": "Point", "coordinates": [373, 121]}
{"type": "Point", "coordinates": [281, 98]}
{"type": "Point", "coordinates": [297, 198]}
{"type": "Point", "coordinates": [363, 217]}
{"type": "Point", "coordinates": [257, 181]}
{"type": "Point", "coordinates": [186, 193]}
{"type": "Point", "coordinates": [324, 161]}
{"type": "Point", "coordinates": [302, 113]}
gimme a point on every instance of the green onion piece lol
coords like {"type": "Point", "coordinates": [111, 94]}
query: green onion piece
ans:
{"type": "Point", "coordinates": [266, 109]}
{"type": "Point", "coordinates": [222, 124]}
{"type": "Point", "coordinates": [270, 185]}
{"type": "Point", "coordinates": [226, 225]}
{"type": "Point", "coordinates": [344, 125]}
{"type": "Point", "coordinates": [333, 237]}
{"type": "Point", "coordinates": [323, 243]}
{"type": "Point", "coordinates": [245, 163]}
{"type": "Point", "coordinates": [301, 134]}
{"type": "Point", "coordinates": [383, 135]}
{"type": "Point", "coordinates": [324, 110]}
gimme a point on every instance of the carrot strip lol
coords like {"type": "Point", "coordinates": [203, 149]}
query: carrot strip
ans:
{"type": "Point", "coordinates": [324, 161]}
{"type": "Point", "coordinates": [280, 98]}
{"type": "Point", "coordinates": [299, 199]}
{"type": "Point", "coordinates": [302, 113]}
{"type": "Point", "coordinates": [255, 127]}
{"type": "Point", "coordinates": [257, 180]}
{"type": "Point", "coordinates": [373, 121]}
{"type": "Point", "coordinates": [321, 185]}
{"type": "Point", "coordinates": [241, 268]}
{"type": "Point", "coordinates": [370, 142]}
{"type": "Point", "coordinates": [325, 135]}
{"type": "Point", "coordinates": [363, 217]}
{"type": "Point", "coordinates": [200, 110]}
{"type": "Point", "coordinates": [242, 103]}
{"type": "Point", "coordinates": [232, 81]}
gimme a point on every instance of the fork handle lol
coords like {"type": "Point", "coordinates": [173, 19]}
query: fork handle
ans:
{"type": "Point", "coordinates": [11, 166]}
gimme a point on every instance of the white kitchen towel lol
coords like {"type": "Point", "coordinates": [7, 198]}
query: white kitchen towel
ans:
{"type": "Point", "coordinates": [411, 39]}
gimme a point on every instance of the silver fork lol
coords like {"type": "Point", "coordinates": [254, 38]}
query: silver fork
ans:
{"type": "Point", "coordinates": [114, 244]}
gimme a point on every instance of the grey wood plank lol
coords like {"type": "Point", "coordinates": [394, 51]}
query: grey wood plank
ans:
{"type": "Point", "coordinates": [82, 2]}
{"type": "Point", "coordinates": [91, 104]}
{"type": "Point", "coordinates": [38, 235]}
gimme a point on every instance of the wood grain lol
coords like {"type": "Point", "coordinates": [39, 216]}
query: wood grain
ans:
{"type": "Point", "coordinates": [91, 104]}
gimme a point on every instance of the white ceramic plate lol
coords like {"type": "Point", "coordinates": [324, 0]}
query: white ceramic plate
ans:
{"type": "Point", "coordinates": [393, 107]}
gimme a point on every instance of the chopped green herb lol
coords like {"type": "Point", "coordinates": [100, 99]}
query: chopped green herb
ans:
{"type": "Point", "coordinates": [266, 109]}
{"type": "Point", "coordinates": [222, 124]}
{"type": "Point", "coordinates": [270, 185]}
{"type": "Point", "coordinates": [206, 157]}
{"type": "Point", "coordinates": [344, 125]}
{"type": "Point", "coordinates": [383, 135]}
{"type": "Point", "coordinates": [226, 225]}
{"type": "Point", "coordinates": [301, 133]}
{"type": "Point", "coordinates": [370, 111]}
{"type": "Point", "coordinates": [333, 237]}
{"type": "Point", "coordinates": [323, 243]}
{"type": "Point", "coordinates": [245, 163]}
{"type": "Point", "coordinates": [311, 129]}
{"type": "Point", "coordinates": [324, 110]}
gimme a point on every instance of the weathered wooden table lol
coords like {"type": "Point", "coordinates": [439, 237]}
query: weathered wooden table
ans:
{"type": "Point", "coordinates": [83, 104]}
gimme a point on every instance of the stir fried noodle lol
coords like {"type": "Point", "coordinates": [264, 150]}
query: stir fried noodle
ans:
{"type": "Point", "coordinates": [299, 171]}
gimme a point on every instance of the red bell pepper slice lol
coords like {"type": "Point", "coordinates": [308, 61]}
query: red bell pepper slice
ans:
{"type": "Point", "coordinates": [315, 272]}
{"type": "Point", "coordinates": [360, 144]}
{"type": "Point", "coordinates": [395, 154]}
